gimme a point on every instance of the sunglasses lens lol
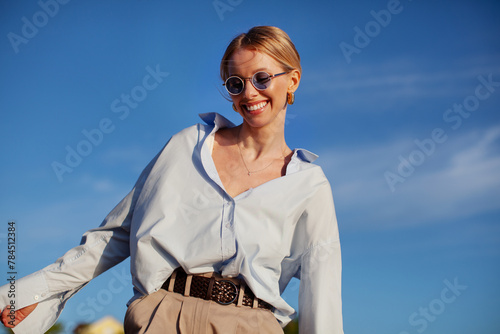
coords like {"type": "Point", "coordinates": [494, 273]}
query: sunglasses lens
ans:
{"type": "Point", "coordinates": [261, 80]}
{"type": "Point", "coordinates": [234, 85]}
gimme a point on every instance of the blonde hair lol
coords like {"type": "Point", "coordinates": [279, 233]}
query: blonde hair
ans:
{"type": "Point", "coordinates": [268, 40]}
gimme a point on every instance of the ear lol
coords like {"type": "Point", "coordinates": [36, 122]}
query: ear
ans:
{"type": "Point", "coordinates": [294, 81]}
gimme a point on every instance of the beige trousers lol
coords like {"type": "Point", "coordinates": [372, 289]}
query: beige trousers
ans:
{"type": "Point", "coordinates": [166, 312]}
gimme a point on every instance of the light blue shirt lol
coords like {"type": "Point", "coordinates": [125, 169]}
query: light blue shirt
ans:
{"type": "Point", "coordinates": [178, 214]}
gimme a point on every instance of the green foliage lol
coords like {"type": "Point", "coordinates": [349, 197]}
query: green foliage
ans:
{"type": "Point", "coordinates": [80, 328]}
{"type": "Point", "coordinates": [56, 329]}
{"type": "Point", "coordinates": [292, 327]}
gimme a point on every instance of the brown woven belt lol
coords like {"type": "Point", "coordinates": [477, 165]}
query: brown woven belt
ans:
{"type": "Point", "coordinates": [224, 291]}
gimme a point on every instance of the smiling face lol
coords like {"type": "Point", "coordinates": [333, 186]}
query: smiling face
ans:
{"type": "Point", "coordinates": [261, 107]}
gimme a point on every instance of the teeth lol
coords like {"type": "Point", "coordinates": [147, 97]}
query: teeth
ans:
{"type": "Point", "coordinates": [257, 106]}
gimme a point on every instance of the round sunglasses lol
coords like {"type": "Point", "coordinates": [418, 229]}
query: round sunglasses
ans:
{"type": "Point", "coordinates": [260, 80]}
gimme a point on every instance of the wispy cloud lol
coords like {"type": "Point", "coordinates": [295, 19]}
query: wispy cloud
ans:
{"type": "Point", "coordinates": [462, 178]}
{"type": "Point", "coordinates": [395, 82]}
{"type": "Point", "coordinates": [101, 185]}
{"type": "Point", "coordinates": [134, 158]}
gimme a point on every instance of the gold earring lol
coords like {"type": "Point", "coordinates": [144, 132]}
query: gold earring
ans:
{"type": "Point", "coordinates": [234, 108]}
{"type": "Point", "coordinates": [290, 98]}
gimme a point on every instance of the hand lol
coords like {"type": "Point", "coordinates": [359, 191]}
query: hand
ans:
{"type": "Point", "coordinates": [11, 320]}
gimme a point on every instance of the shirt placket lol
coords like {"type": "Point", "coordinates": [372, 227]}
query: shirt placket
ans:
{"type": "Point", "coordinates": [228, 241]}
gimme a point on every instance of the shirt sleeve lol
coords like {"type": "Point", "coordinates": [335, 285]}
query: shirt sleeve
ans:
{"type": "Point", "coordinates": [320, 303]}
{"type": "Point", "coordinates": [51, 287]}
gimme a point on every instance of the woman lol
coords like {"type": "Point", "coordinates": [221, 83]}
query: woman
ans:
{"type": "Point", "coordinates": [218, 223]}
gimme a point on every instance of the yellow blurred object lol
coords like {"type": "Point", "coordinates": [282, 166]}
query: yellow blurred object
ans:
{"type": "Point", "coordinates": [106, 325]}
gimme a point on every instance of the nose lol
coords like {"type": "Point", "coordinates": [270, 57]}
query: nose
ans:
{"type": "Point", "coordinates": [249, 90]}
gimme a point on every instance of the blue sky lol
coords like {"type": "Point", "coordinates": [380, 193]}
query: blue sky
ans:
{"type": "Point", "coordinates": [405, 122]}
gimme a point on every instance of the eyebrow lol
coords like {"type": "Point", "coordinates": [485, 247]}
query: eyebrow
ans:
{"type": "Point", "coordinates": [261, 69]}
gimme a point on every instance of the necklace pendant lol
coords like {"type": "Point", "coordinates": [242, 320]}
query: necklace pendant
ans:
{"type": "Point", "coordinates": [249, 173]}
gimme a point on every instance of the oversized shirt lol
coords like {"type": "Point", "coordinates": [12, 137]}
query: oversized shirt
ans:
{"type": "Point", "coordinates": [179, 214]}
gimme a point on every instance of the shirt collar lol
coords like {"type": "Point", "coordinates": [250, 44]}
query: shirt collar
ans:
{"type": "Point", "coordinates": [305, 155]}
{"type": "Point", "coordinates": [219, 121]}
{"type": "Point", "coordinates": [213, 118]}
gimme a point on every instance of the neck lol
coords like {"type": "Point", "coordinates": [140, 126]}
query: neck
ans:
{"type": "Point", "coordinates": [264, 141]}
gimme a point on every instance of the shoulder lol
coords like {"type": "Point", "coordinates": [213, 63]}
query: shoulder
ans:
{"type": "Point", "coordinates": [310, 176]}
{"type": "Point", "coordinates": [193, 136]}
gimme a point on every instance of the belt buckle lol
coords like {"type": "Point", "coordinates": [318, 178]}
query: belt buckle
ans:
{"type": "Point", "coordinates": [223, 292]}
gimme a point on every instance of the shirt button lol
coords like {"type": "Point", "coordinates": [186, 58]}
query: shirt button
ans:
{"type": "Point", "coordinates": [36, 297]}
{"type": "Point", "coordinates": [44, 294]}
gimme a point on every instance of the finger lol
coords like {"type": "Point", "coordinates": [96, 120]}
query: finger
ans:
{"type": "Point", "coordinates": [24, 312]}
{"type": "Point", "coordinates": [7, 318]}
{"type": "Point", "coordinates": [4, 316]}
{"type": "Point", "coordinates": [12, 320]}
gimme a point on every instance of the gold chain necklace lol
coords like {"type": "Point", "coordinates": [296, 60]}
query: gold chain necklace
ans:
{"type": "Point", "coordinates": [244, 163]}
